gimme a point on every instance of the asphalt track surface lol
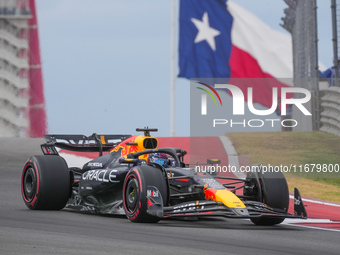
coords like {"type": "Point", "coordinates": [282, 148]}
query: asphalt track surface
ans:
{"type": "Point", "coordinates": [63, 232]}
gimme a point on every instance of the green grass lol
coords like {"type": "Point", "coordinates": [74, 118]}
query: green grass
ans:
{"type": "Point", "coordinates": [296, 148]}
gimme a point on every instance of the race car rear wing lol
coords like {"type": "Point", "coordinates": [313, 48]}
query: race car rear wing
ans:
{"type": "Point", "coordinates": [92, 143]}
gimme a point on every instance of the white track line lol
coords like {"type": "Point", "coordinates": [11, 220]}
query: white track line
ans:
{"type": "Point", "coordinates": [316, 202]}
{"type": "Point", "coordinates": [312, 227]}
{"type": "Point", "coordinates": [232, 156]}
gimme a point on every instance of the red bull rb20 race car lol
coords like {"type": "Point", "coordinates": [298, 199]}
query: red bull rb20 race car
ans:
{"type": "Point", "coordinates": [147, 183]}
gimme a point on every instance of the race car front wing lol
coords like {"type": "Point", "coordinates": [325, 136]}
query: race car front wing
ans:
{"type": "Point", "coordinates": [213, 208]}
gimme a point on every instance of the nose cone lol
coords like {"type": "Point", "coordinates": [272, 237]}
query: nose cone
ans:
{"type": "Point", "coordinates": [228, 198]}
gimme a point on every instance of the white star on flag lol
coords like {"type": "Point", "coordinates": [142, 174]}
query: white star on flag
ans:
{"type": "Point", "coordinates": [205, 32]}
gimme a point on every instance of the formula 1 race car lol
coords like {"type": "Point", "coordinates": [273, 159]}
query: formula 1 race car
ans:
{"type": "Point", "coordinates": [126, 181]}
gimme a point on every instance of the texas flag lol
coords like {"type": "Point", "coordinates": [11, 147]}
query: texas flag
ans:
{"type": "Point", "coordinates": [220, 39]}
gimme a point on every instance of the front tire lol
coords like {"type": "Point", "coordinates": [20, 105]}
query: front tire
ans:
{"type": "Point", "coordinates": [272, 191]}
{"type": "Point", "coordinates": [135, 192]}
{"type": "Point", "coordinates": [45, 183]}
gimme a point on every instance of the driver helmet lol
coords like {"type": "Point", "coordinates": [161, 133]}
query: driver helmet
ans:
{"type": "Point", "coordinates": [159, 158]}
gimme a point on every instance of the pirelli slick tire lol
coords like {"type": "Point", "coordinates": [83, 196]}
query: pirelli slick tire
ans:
{"type": "Point", "coordinates": [135, 192]}
{"type": "Point", "coordinates": [274, 193]}
{"type": "Point", "coordinates": [45, 183]}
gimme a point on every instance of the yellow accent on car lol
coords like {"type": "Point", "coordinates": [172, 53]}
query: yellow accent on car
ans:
{"type": "Point", "coordinates": [229, 199]}
{"type": "Point", "coordinates": [136, 144]}
{"type": "Point", "coordinates": [225, 196]}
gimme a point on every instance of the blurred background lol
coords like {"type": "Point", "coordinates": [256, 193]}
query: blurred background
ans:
{"type": "Point", "coordinates": [104, 66]}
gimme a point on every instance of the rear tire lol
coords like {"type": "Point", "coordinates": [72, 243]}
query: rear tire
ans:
{"type": "Point", "coordinates": [45, 183]}
{"type": "Point", "coordinates": [134, 192]}
{"type": "Point", "coordinates": [273, 191]}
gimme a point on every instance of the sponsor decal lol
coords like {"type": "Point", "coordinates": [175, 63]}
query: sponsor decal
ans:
{"type": "Point", "coordinates": [152, 193]}
{"type": "Point", "coordinates": [87, 208]}
{"type": "Point", "coordinates": [183, 206]}
{"type": "Point", "coordinates": [95, 164]}
{"type": "Point", "coordinates": [149, 204]}
{"type": "Point", "coordinates": [170, 174]}
{"type": "Point", "coordinates": [100, 175]}
{"type": "Point", "coordinates": [210, 194]}
{"type": "Point", "coordinates": [188, 207]}
{"type": "Point", "coordinates": [86, 141]}
{"type": "Point", "coordinates": [212, 183]}
{"type": "Point", "coordinates": [126, 149]}
{"type": "Point", "coordinates": [297, 201]}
